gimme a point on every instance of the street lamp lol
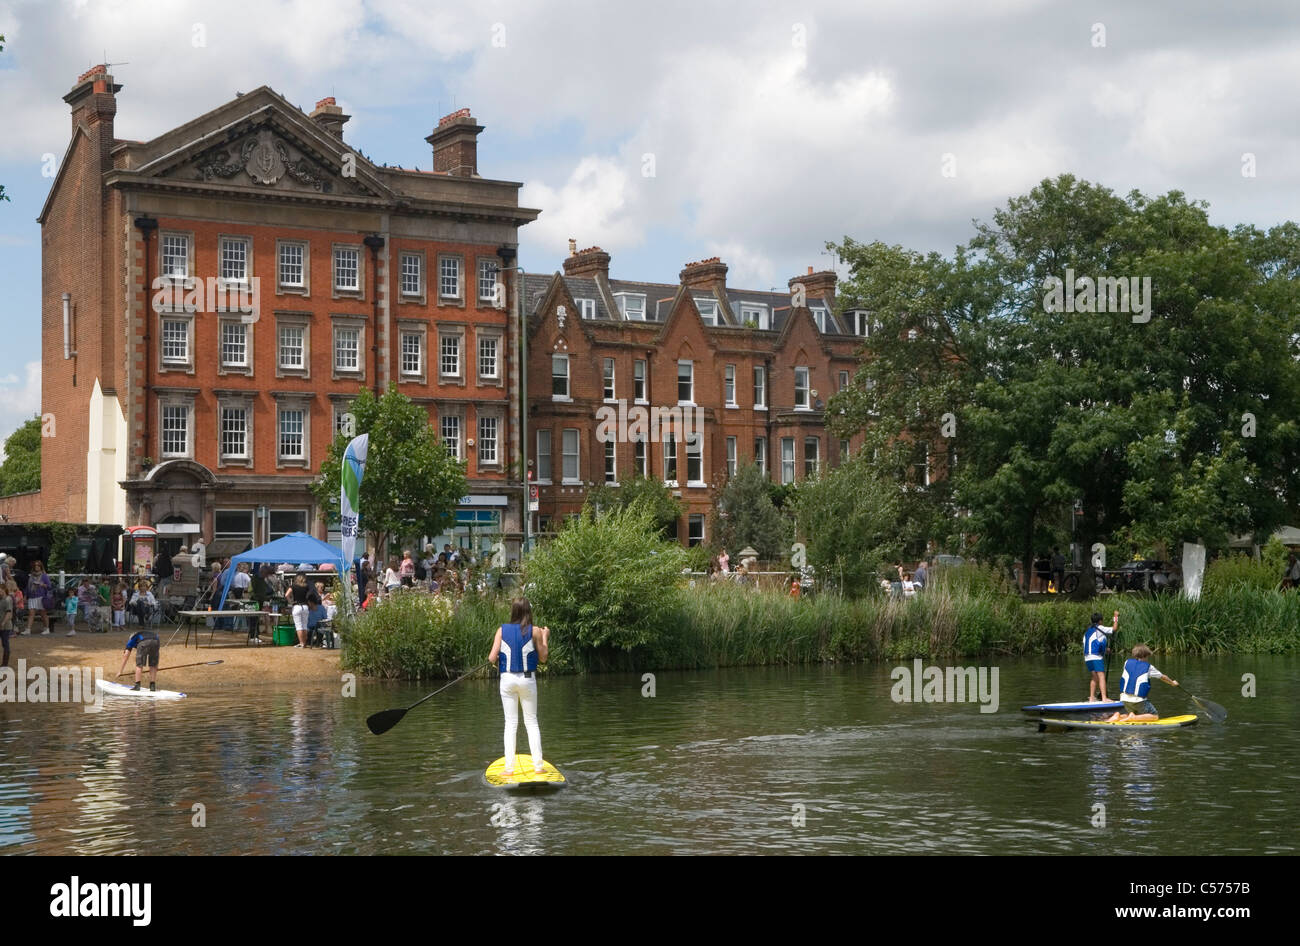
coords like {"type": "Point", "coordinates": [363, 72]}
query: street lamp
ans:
{"type": "Point", "coordinates": [510, 254]}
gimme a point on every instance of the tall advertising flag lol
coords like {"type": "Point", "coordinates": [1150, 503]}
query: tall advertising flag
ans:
{"type": "Point", "coordinates": [354, 467]}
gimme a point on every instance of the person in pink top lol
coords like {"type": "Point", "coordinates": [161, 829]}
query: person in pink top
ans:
{"type": "Point", "coordinates": [724, 561]}
{"type": "Point", "coordinates": [407, 569]}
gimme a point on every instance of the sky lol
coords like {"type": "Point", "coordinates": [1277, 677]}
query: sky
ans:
{"type": "Point", "coordinates": [669, 132]}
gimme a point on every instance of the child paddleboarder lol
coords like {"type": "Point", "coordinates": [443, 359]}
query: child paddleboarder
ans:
{"type": "Point", "coordinates": [517, 649]}
{"type": "Point", "coordinates": [1138, 674]}
{"type": "Point", "coordinates": [1095, 642]}
{"type": "Point", "coordinates": [145, 644]}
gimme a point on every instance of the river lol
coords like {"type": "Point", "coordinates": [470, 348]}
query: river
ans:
{"type": "Point", "coordinates": [809, 760]}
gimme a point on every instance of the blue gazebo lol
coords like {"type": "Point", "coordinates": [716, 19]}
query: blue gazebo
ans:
{"type": "Point", "coordinates": [294, 547]}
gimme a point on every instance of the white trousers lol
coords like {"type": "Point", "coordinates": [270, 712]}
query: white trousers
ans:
{"type": "Point", "coordinates": [300, 617]}
{"type": "Point", "coordinates": [517, 689]}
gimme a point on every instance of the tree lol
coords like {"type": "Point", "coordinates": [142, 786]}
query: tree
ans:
{"type": "Point", "coordinates": [849, 519]}
{"type": "Point", "coordinates": [412, 484]}
{"type": "Point", "coordinates": [644, 491]}
{"type": "Point", "coordinates": [745, 515]}
{"type": "Point", "coordinates": [21, 470]}
{"type": "Point", "coordinates": [1161, 407]}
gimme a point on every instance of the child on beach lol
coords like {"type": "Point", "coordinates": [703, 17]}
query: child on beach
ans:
{"type": "Point", "coordinates": [1138, 674]}
{"type": "Point", "coordinates": [1095, 642]}
{"type": "Point", "coordinates": [118, 604]}
{"type": "Point", "coordinates": [70, 606]}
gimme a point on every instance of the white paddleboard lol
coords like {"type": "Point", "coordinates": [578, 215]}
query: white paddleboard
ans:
{"type": "Point", "coordinates": [120, 689]}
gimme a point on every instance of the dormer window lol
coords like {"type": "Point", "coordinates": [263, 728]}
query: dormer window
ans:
{"type": "Point", "coordinates": [757, 315]}
{"type": "Point", "coordinates": [819, 316]}
{"type": "Point", "coordinates": [586, 308]}
{"type": "Point", "coordinates": [708, 310]}
{"type": "Point", "coordinates": [861, 322]}
{"type": "Point", "coordinates": [631, 305]}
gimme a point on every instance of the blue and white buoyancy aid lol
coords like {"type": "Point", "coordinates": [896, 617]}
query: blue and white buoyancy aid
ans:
{"type": "Point", "coordinates": [1094, 643]}
{"type": "Point", "coordinates": [1137, 677]}
{"type": "Point", "coordinates": [518, 652]}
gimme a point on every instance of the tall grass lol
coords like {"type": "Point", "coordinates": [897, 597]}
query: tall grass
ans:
{"type": "Point", "coordinates": [726, 625]}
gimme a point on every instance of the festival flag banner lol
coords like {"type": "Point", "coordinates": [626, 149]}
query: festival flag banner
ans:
{"type": "Point", "coordinates": [354, 468]}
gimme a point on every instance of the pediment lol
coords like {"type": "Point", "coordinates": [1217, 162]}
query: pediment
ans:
{"type": "Point", "coordinates": [264, 156]}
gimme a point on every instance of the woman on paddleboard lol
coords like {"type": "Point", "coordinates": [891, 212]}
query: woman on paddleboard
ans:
{"type": "Point", "coordinates": [1095, 642]}
{"type": "Point", "coordinates": [1138, 674]}
{"type": "Point", "coordinates": [516, 650]}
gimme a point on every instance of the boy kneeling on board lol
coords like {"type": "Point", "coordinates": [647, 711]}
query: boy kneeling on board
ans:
{"type": "Point", "coordinates": [1095, 643]}
{"type": "Point", "coordinates": [145, 644]}
{"type": "Point", "coordinates": [1138, 674]}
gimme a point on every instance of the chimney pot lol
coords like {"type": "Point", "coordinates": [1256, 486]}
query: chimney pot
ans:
{"type": "Point", "coordinates": [573, 246]}
{"type": "Point", "coordinates": [588, 262]}
{"type": "Point", "coordinates": [455, 144]}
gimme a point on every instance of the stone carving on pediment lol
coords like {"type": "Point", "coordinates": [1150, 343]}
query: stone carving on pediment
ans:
{"type": "Point", "coordinates": [266, 160]}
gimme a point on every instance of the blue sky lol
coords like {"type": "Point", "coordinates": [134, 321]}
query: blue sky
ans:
{"type": "Point", "coordinates": [773, 126]}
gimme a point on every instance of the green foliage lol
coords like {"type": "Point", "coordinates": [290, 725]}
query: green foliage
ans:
{"type": "Point", "coordinates": [1274, 555]}
{"type": "Point", "coordinates": [411, 635]}
{"type": "Point", "coordinates": [411, 484]}
{"type": "Point", "coordinates": [606, 582]}
{"type": "Point", "coordinates": [21, 470]}
{"type": "Point", "coordinates": [1161, 428]}
{"type": "Point", "coordinates": [1239, 571]}
{"type": "Point", "coordinates": [745, 515]}
{"type": "Point", "coordinates": [644, 491]}
{"type": "Point", "coordinates": [848, 518]}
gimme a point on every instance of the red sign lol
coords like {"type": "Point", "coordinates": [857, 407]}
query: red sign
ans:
{"type": "Point", "coordinates": [532, 491]}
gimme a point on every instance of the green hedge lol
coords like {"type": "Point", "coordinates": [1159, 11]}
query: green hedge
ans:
{"type": "Point", "coordinates": [726, 625]}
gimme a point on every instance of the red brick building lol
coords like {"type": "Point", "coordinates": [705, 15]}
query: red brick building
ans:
{"type": "Point", "coordinates": [751, 372]}
{"type": "Point", "coordinates": [227, 287]}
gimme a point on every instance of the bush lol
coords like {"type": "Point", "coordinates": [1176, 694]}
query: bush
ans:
{"type": "Point", "coordinates": [409, 635]}
{"type": "Point", "coordinates": [1239, 571]}
{"type": "Point", "coordinates": [608, 581]}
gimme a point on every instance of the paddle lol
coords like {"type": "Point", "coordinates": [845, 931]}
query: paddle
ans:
{"type": "Point", "coordinates": [385, 720]}
{"type": "Point", "coordinates": [206, 663]}
{"type": "Point", "coordinates": [1213, 710]}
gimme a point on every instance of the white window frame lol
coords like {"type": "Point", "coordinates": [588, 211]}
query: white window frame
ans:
{"type": "Point", "coordinates": [695, 453]}
{"type": "Point", "coordinates": [304, 249]}
{"type": "Point", "coordinates": [557, 359]}
{"type": "Point", "coordinates": [282, 409]}
{"type": "Point", "coordinates": [495, 341]}
{"type": "Point", "coordinates": [787, 461]}
{"type": "Point", "coordinates": [640, 457]}
{"type": "Point", "coordinates": [451, 431]}
{"type": "Point", "coordinates": [405, 289]}
{"type": "Point", "coordinates": [241, 247]}
{"type": "Point", "coordinates": [816, 444]}
{"type": "Point", "coordinates": [489, 440]}
{"type": "Point", "coordinates": [244, 406]}
{"type": "Point", "coordinates": [544, 437]}
{"type": "Point", "coordinates": [760, 387]}
{"type": "Point", "coordinates": [187, 323]}
{"type": "Point", "coordinates": [451, 269]}
{"type": "Point", "coordinates": [187, 242]}
{"type": "Point", "coordinates": [844, 380]}
{"type": "Point", "coordinates": [861, 323]}
{"type": "Point", "coordinates": [729, 385]}
{"type": "Point", "coordinates": [631, 313]}
{"type": "Point", "coordinates": [565, 454]}
{"type": "Point", "coordinates": [586, 308]}
{"type": "Point", "coordinates": [692, 520]}
{"type": "Point", "coordinates": [671, 472]}
{"type": "Point", "coordinates": [337, 254]}
{"type": "Point", "coordinates": [760, 454]}
{"type": "Point", "coordinates": [486, 265]}
{"type": "Point", "coordinates": [640, 385]}
{"type": "Point", "coordinates": [445, 354]}
{"type": "Point", "coordinates": [802, 372]}
{"type": "Point", "coordinates": [708, 309]}
{"type": "Point", "coordinates": [686, 363]}
{"type": "Point", "coordinates": [611, 462]}
{"type": "Point", "coordinates": [758, 312]}
{"type": "Point", "coordinates": [731, 457]}
{"type": "Point", "coordinates": [609, 384]}
{"type": "Point", "coordinates": [171, 404]}
{"type": "Point", "coordinates": [819, 316]}
{"type": "Point", "coordinates": [239, 326]}
{"type": "Point", "coordinates": [405, 350]}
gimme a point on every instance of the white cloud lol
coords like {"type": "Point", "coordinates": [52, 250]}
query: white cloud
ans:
{"type": "Point", "coordinates": [19, 401]}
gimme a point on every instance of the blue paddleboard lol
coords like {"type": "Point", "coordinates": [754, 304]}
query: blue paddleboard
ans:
{"type": "Point", "coordinates": [1083, 706]}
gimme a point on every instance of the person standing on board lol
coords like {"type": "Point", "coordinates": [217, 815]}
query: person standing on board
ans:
{"type": "Point", "coordinates": [145, 644]}
{"type": "Point", "coordinates": [1095, 642]}
{"type": "Point", "coordinates": [516, 650]}
{"type": "Point", "coordinates": [1138, 674]}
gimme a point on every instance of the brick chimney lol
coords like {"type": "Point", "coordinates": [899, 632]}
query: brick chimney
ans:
{"type": "Point", "coordinates": [589, 262]}
{"type": "Point", "coordinates": [817, 285]}
{"type": "Point", "coordinates": [455, 144]}
{"type": "Point", "coordinates": [708, 275]}
{"type": "Point", "coordinates": [329, 116]}
{"type": "Point", "coordinates": [94, 104]}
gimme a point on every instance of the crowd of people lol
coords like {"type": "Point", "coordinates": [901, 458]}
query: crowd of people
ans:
{"type": "Point", "coordinates": [449, 572]}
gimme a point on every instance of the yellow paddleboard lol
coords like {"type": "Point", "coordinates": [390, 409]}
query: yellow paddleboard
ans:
{"type": "Point", "coordinates": [1168, 722]}
{"type": "Point", "coordinates": [549, 777]}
